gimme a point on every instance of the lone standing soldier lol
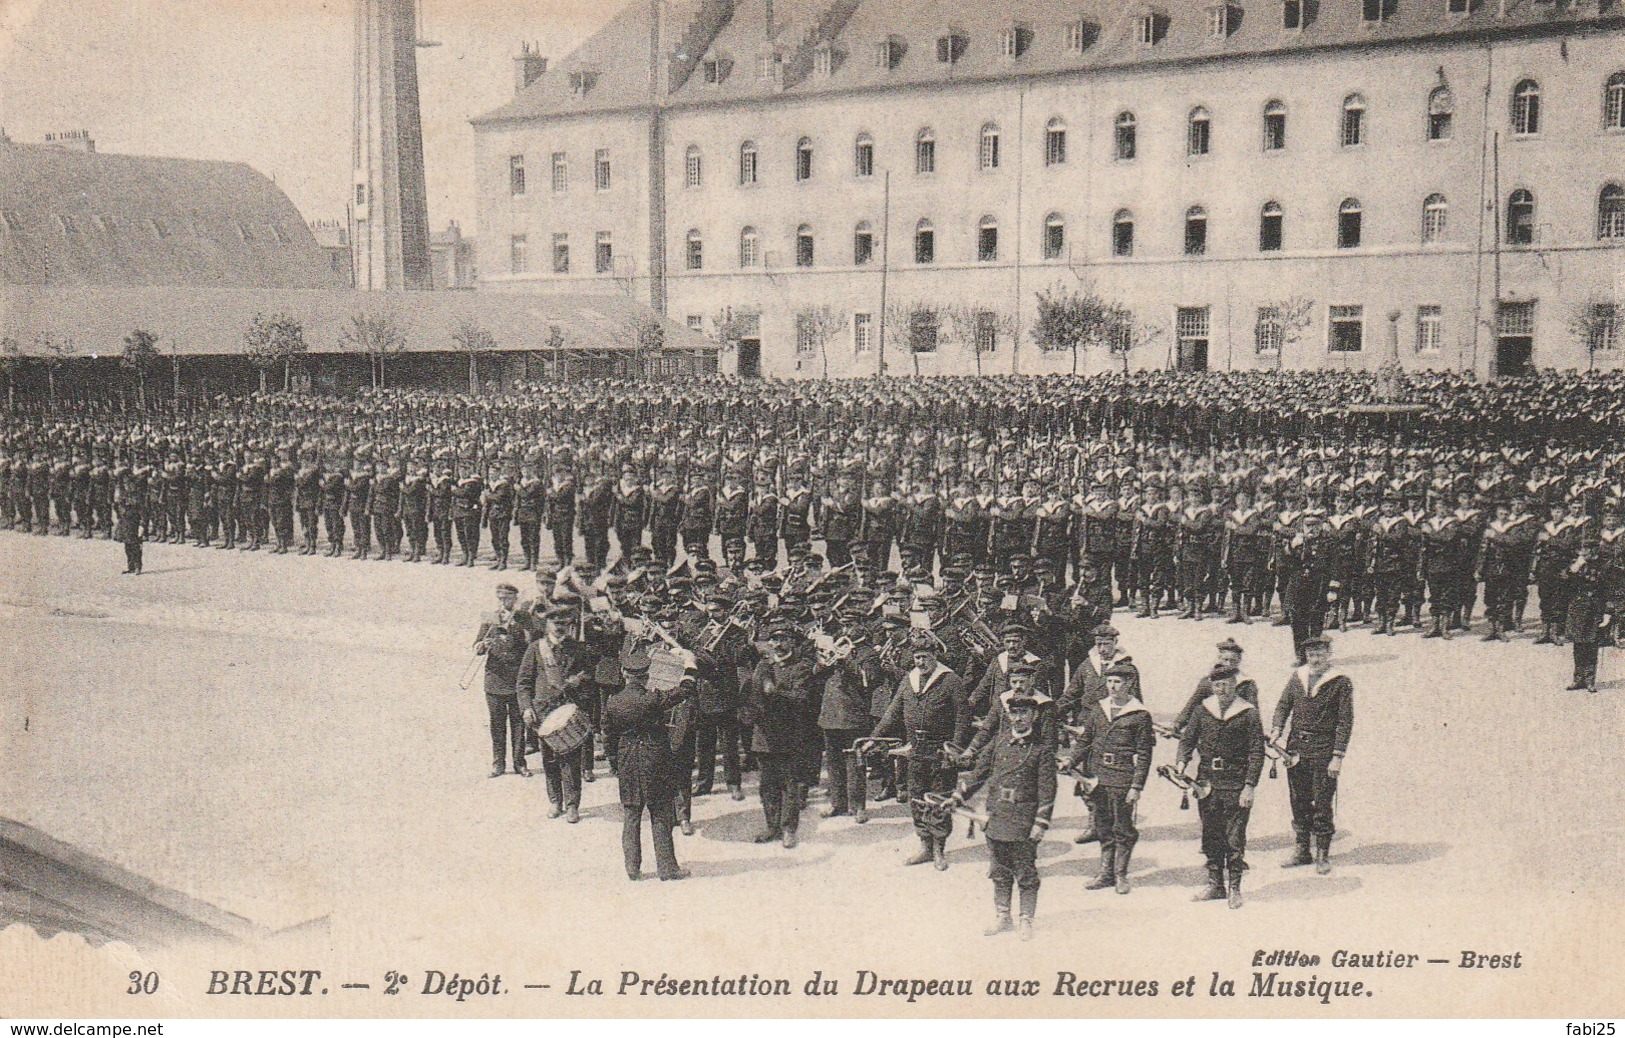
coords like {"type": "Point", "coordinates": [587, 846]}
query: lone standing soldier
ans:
{"type": "Point", "coordinates": [1319, 703]}
{"type": "Point", "coordinates": [648, 773]}
{"type": "Point", "coordinates": [1018, 772]}
{"type": "Point", "coordinates": [502, 641]}
{"type": "Point", "coordinates": [1115, 750]}
{"type": "Point", "coordinates": [1228, 736]}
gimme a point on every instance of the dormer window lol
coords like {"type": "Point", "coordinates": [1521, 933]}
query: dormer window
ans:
{"type": "Point", "coordinates": [581, 83]}
{"type": "Point", "coordinates": [1220, 21]}
{"type": "Point", "coordinates": [1149, 28]}
{"type": "Point", "coordinates": [1292, 15]}
{"type": "Point", "coordinates": [1014, 41]}
{"type": "Point", "coordinates": [951, 48]}
{"type": "Point", "coordinates": [711, 71]}
{"type": "Point", "coordinates": [1079, 35]}
{"type": "Point", "coordinates": [769, 65]}
{"type": "Point", "coordinates": [1374, 12]}
{"type": "Point", "coordinates": [889, 53]}
{"type": "Point", "coordinates": [1458, 7]}
{"type": "Point", "coordinates": [824, 61]}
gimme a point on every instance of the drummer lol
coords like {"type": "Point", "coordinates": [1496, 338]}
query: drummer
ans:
{"type": "Point", "coordinates": [554, 676]}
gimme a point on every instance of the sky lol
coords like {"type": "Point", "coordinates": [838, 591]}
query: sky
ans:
{"type": "Point", "coordinates": [266, 82]}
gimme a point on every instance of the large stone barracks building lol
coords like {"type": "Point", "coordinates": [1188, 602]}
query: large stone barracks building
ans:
{"type": "Point", "coordinates": [849, 186]}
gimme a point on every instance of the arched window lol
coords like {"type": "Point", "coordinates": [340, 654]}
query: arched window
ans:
{"type": "Point", "coordinates": [1195, 231]}
{"type": "Point", "coordinates": [696, 250]}
{"type": "Point", "coordinates": [693, 167]}
{"type": "Point", "coordinates": [750, 248]}
{"type": "Point", "coordinates": [804, 246]}
{"type": "Point", "coordinates": [1435, 217]}
{"type": "Point", "coordinates": [1054, 236]}
{"type": "Point", "coordinates": [1123, 233]}
{"type": "Point", "coordinates": [1055, 142]}
{"type": "Point", "coordinates": [1353, 130]}
{"type": "Point", "coordinates": [1611, 213]}
{"type": "Point", "coordinates": [925, 151]}
{"type": "Point", "coordinates": [1124, 138]}
{"type": "Point", "coordinates": [1199, 132]}
{"type": "Point", "coordinates": [1526, 108]}
{"type": "Point", "coordinates": [1348, 224]}
{"type": "Point", "coordinates": [863, 156]}
{"type": "Point", "coordinates": [987, 240]}
{"type": "Point", "coordinates": [1274, 126]}
{"type": "Point", "coordinates": [1613, 102]}
{"type": "Point", "coordinates": [1441, 114]}
{"type": "Point", "coordinates": [1271, 227]}
{"type": "Point", "coordinates": [747, 163]}
{"type": "Point", "coordinates": [804, 156]}
{"type": "Point", "coordinates": [1521, 217]}
{"type": "Point", "coordinates": [987, 155]}
{"type": "Point", "coordinates": [863, 244]}
{"type": "Point", "coordinates": [925, 242]}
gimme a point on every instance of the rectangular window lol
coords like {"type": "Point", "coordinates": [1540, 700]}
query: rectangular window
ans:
{"type": "Point", "coordinates": [1054, 146]}
{"type": "Point", "coordinates": [863, 159]}
{"type": "Point", "coordinates": [600, 169]}
{"type": "Point", "coordinates": [1192, 322]}
{"type": "Point", "coordinates": [561, 173]}
{"type": "Point", "coordinates": [1195, 235]}
{"type": "Point", "coordinates": [1218, 21]}
{"type": "Point", "coordinates": [804, 250]}
{"type": "Point", "coordinates": [824, 62]}
{"type": "Point", "coordinates": [1123, 238]}
{"type": "Point", "coordinates": [987, 331]}
{"type": "Point", "coordinates": [1458, 6]}
{"type": "Point", "coordinates": [888, 53]}
{"type": "Point", "coordinates": [1145, 30]}
{"type": "Point", "coordinates": [863, 247]}
{"type": "Point", "coordinates": [806, 335]}
{"type": "Point", "coordinates": [1274, 131]}
{"type": "Point", "coordinates": [922, 331]}
{"type": "Point", "coordinates": [696, 323]}
{"type": "Point", "coordinates": [1515, 319]}
{"type": "Point", "coordinates": [1603, 330]}
{"type": "Point", "coordinates": [695, 254]}
{"type": "Point", "coordinates": [561, 254]}
{"type": "Point", "coordinates": [988, 156]}
{"type": "Point", "coordinates": [1199, 137]}
{"type": "Point", "coordinates": [925, 246]}
{"type": "Point", "coordinates": [1054, 239]}
{"type": "Point", "coordinates": [1348, 228]}
{"type": "Point", "coordinates": [691, 169]}
{"type": "Point", "coordinates": [987, 244]}
{"type": "Point", "coordinates": [712, 71]}
{"type": "Point", "coordinates": [1267, 331]}
{"type": "Point", "coordinates": [1373, 10]}
{"type": "Point", "coordinates": [518, 250]}
{"type": "Point", "coordinates": [1269, 231]}
{"type": "Point", "coordinates": [1346, 329]}
{"type": "Point", "coordinates": [1353, 125]}
{"type": "Point", "coordinates": [1429, 329]}
{"type": "Point", "coordinates": [1292, 15]}
{"type": "Point", "coordinates": [604, 253]}
{"type": "Point", "coordinates": [804, 158]}
{"type": "Point", "coordinates": [747, 166]}
{"type": "Point", "coordinates": [1076, 36]}
{"type": "Point", "coordinates": [516, 174]}
{"type": "Point", "coordinates": [863, 332]}
{"type": "Point", "coordinates": [925, 155]}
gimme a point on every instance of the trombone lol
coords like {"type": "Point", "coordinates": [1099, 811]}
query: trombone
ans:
{"type": "Point", "coordinates": [468, 673]}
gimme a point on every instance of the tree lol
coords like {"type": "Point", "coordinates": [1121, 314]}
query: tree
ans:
{"type": "Point", "coordinates": [917, 324]}
{"type": "Point", "coordinates": [820, 325]}
{"type": "Point", "coordinates": [979, 328]}
{"type": "Point", "coordinates": [140, 354]}
{"type": "Point", "coordinates": [1594, 322]}
{"type": "Point", "coordinates": [379, 337]}
{"type": "Point", "coordinates": [472, 339]}
{"type": "Point", "coordinates": [274, 340]}
{"type": "Point", "coordinates": [555, 343]}
{"type": "Point", "coordinates": [11, 363]}
{"type": "Point", "coordinates": [1073, 319]}
{"type": "Point", "coordinates": [1124, 334]}
{"type": "Point", "coordinates": [55, 353]}
{"type": "Point", "coordinates": [1290, 317]}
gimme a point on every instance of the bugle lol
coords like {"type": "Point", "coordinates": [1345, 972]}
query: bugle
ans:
{"type": "Point", "coordinates": [468, 672]}
{"type": "Point", "coordinates": [1188, 786]}
{"type": "Point", "coordinates": [940, 805]}
{"type": "Point", "coordinates": [1166, 731]}
{"type": "Point", "coordinates": [1277, 752]}
{"type": "Point", "coordinates": [1085, 784]}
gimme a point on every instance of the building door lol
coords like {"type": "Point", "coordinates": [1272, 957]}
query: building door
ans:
{"type": "Point", "coordinates": [1192, 324]}
{"type": "Point", "coordinates": [1514, 339]}
{"type": "Point", "coordinates": [750, 358]}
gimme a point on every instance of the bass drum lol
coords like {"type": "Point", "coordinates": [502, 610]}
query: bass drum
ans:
{"type": "Point", "coordinates": [565, 729]}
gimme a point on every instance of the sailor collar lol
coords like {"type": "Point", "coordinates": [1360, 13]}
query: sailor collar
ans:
{"type": "Point", "coordinates": [923, 685]}
{"type": "Point", "coordinates": [1238, 706]}
{"type": "Point", "coordinates": [1311, 688]}
{"type": "Point", "coordinates": [1132, 706]}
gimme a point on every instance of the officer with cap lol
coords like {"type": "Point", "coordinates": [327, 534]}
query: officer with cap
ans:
{"type": "Point", "coordinates": [502, 640]}
{"type": "Point", "coordinates": [556, 670]}
{"type": "Point", "coordinates": [1228, 737]}
{"type": "Point", "coordinates": [648, 771]}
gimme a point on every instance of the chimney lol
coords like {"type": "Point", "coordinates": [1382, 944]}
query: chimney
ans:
{"type": "Point", "coordinates": [528, 67]}
{"type": "Point", "coordinates": [767, 15]}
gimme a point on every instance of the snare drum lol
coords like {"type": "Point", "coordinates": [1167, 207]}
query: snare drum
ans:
{"type": "Point", "coordinates": [564, 729]}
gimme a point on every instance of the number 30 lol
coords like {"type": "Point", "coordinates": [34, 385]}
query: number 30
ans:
{"type": "Point", "coordinates": [143, 983]}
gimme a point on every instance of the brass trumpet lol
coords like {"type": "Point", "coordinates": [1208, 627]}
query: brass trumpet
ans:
{"type": "Point", "coordinates": [1188, 786]}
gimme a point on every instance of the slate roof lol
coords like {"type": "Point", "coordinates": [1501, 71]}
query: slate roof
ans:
{"type": "Point", "coordinates": [735, 32]}
{"type": "Point", "coordinates": [77, 218]}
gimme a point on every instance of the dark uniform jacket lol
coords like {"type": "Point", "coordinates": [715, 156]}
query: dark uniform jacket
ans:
{"type": "Point", "coordinates": [1019, 775]}
{"type": "Point", "coordinates": [503, 652]}
{"type": "Point", "coordinates": [552, 675]}
{"type": "Point", "coordinates": [846, 696]}
{"type": "Point", "coordinates": [928, 710]}
{"type": "Point", "coordinates": [1321, 712]}
{"type": "Point", "coordinates": [781, 705]}
{"type": "Point", "coordinates": [1116, 745]}
{"type": "Point", "coordinates": [646, 767]}
{"type": "Point", "coordinates": [1230, 743]}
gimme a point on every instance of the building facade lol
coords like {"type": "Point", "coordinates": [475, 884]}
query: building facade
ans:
{"type": "Point", "coordinates": [837, 187]}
